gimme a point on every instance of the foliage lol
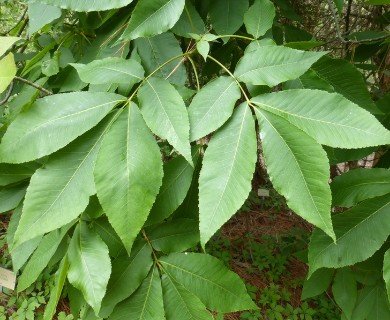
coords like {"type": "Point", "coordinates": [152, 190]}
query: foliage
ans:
{"type": "Point", "coordinates": [98, 91]}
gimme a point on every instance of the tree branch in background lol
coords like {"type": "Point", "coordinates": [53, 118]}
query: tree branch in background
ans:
{"type": "Point", "coordinates": [47, 92]}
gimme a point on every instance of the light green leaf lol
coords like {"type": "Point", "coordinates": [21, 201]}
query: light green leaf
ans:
{"type": "Point", "coordinates": [203, 48]}
{"type": "Point", "coordinates": [56, 291]}
{"type": "Point", "coordinates": [174, 236]}
{"type": "Point", "coordinates": [11, 173]}
{"type": "Point", "coordinates": [127, 275]}
{"type": "Point", "coordinates": [20, 254]}
{"type": "Point", "coordinates": [40, 14]}
{"type": "Point", "coordinates": [6, 43]}
{"type": "Point", "coordinates": [212, 106]}
{"type": "Point", "coordinates": [365, 226]}
{"type": "Point", "coordinates": [346, 80]}
{"type": "Point", "coordinates": [110, 70]}
{"type": "Point", "coordinates": [208, 278]}
{"type": "Point", "coordinates": [344, 291]}
{"type": "Point", "coordinates": [145, 304]}
{"type": "Point", "coordinates": [318, 283]}
{"type": "Point", "coordinates": [89, 265]}
{"type": "Point", "coordinates": [60, 191]}
{"type": "Point", "coordinates": [86, 5]}
{"type": "Point", "coordinates": [226, 175]}
{"type": "Point", "coordinates": [301, 179]}
{"type": "Point", "coordinates": [165, 114]}
{"type": "Point", "coordinates": [386, 272]}
{"type": "Point", "coordinates": [259, 18]}
{"type": "Point", "coordinates": [332, 120]}
{"type": "Point", "coordinates": [53, 122]}
{"type": "Point", "coordinates": [181, 304]}
{"type": "Point", "coordinates": [156, 51]}
{"type": "Point", "coordinates": [189, 22]}
{"type": "Point", "coordinates": [7, 71]}
{"type": "Point", "coordinates": [175, 184]}
{"type": "Point", "coordinates": [41, 257]}
{"type": "Point", "coordinates": [152, 17]}
{"type": "Point", "coordinates": [360, 184]}
{"type": "Point", "coordinates": [271, 65]}
{"type": "Point", "coordinates": [126, 192]}
{"type": "Point", "coordinates": [10, 197]}
{"type": "Point", "coordinates": [227, 15]}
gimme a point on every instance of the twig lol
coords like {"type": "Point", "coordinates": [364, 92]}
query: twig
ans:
{"type": "Point", "coordinates": [20, 20]}
{"type": "Point", "coordinates": [8, 95]}
{"type": "Point", "coordinates": [36, 86]}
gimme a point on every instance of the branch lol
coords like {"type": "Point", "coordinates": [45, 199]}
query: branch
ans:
{"type": "Point", "coordinates": [8, 95]}
{"type": "Point", "coordinates": [36, 86]}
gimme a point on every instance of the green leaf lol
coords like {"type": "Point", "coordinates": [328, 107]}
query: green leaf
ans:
{"type": "Point", "coordinates": [344, 291]}
{"type": "Point", "coordinates": [175, 184]}
{"type": "Point", "coordinates": [259, 18]}
{"type": "Point", "coordinates": [309, 80]}
{"type": "Point", "coordinates": [145, 304]}
{"type": "Point", "coordinates": [126, 192]}
{"type": "Point", "coordinates": [208, 278]}
{"type": "Point", "coordinates": [165, 114]}
{"type": "Point", "coordinates": [386, 272]}
{"type": "Point", "coordinates": [127, 275]}
{"type": "Point", "coordinates": [227, 15]}
{"type": "Point", "coordinates": [89, 265]}
{"type": "Point", "coordinates": [156, 51]}
{"type": "Point", "coordinates": [40, 14]}
{"type": "Point", "coordinates": [226, 175]}
{"type": "Point", "coordinates": [110, 70]}
{"type": "Point", "coordinates": [174, 236]}
{"type": "Point", "coordinates": [10, 197]}
{"type": "Point", "coordinates": [212, 106]}
{"type": "Point", "coordinates": [332, 120]}
{"type": "Point", "coordinates": [6, 43]}
{"type": "Point", "coordinates": [20, 254]}
{"type": "Point", "coordinates": [346, 80]}
{"type": "Point", "coordinates": [11, 173]}
{"type": "Point", "coordinates": [86, 5]}
{"type": "Point", "coordinates": [8, 71]}
{"type": "Point", "coordinates": [189, 22]}
{"type": "Point", "coordinates": [152, 17]}
{"type": "Point", "coordinates": [271, 65]}
{"type": "Point", "coordinates": [53, 122]}
{"type": "Point", "coordinates": [104, 229]}
{"type": "Point", "coordinates": [365, 226]}
{"type": "Point", "coordinates": [203, 48]}
{"type": "Point", "coordinates": [339, 5]}
{"type": "Point", "coordinates": [41, 257]}
{"type": "Point", "coordinates": [301, 179]}
{"type": "Point", "coordinates": [55, 292]}
{"type": "Point", "coordinates": [317, 283]}
{"type": "Point", "coordinates": [181, 304]}
{"type": "Point", "coordinates": [59, 192]}
{"type": "Point", "coordinates": [360, 184]}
